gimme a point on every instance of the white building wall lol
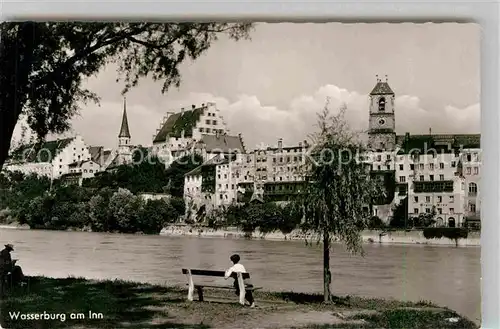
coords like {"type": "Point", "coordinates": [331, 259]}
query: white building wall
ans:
{"type": "Point", "coordinates": [75, 151]}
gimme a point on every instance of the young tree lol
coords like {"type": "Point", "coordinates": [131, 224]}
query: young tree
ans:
{"type": "Point", "coordinates": [43, 65]}
{"type": "Point", "coordinates": [338, 187]}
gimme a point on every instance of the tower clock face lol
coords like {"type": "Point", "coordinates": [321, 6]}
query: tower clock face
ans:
{"type": "Point", "coordinates": [381, 122]}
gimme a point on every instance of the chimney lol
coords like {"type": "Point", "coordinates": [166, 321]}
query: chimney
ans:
{"type": "Point", "coordinates": [193, 106]}
{"type": "Point", "coordinates": [430, 131]}
{"type": "Point", "coordinates": [202, 104]}
{"type": "Point", "coordinates": [280, 143]}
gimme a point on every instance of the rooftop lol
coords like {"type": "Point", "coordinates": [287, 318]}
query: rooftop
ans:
{"type": "Point", "coordinates": [44, 152]}
{"type": "Point", "coordinates": [176, 123]}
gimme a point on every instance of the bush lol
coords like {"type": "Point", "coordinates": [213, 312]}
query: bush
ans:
{"type": "Point", "coordinates": [452, 233]}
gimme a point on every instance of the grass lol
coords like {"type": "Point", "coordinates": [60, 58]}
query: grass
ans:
{"type": "Point", "coordinates": [134, 305]}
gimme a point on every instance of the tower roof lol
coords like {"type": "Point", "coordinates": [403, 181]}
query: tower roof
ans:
{"type": "Point", "coordinates": [382, 88]}
{"type": "Point", "coordinates": [124, 131]}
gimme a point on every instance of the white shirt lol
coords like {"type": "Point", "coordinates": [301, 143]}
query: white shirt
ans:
{"type": "Point", "coordinates": [237, 268]}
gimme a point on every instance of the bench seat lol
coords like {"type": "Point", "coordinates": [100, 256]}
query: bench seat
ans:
{"type": "Point", "coordinates": [210, 273]}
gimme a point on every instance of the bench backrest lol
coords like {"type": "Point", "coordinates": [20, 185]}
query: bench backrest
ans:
{"type": "Point", "coordinates": [213, 273]}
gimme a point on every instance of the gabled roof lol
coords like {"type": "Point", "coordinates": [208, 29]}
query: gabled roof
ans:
{"type": "Point", "coordinates": [222, 143]}
{"type": "Point", "coordinates": [124, 130]}
{"type": "Point", "coordinates": [178, 122]}
{"type": "Point", "coordinates": [78, 164]}
{"type": "Point", "coordinates": [99, 155]}
{"type": "Point", "coordinates": [382, 88]}
{"type": "Point", "coordinates": [212, 162]}
{"type": "Point", "coordinates": [45, 152]}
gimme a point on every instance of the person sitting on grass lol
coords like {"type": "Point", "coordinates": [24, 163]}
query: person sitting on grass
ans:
{"type": "Point", "coordinates": [239, 268]}
{"type": "Point", "coordinates": [8, 267]}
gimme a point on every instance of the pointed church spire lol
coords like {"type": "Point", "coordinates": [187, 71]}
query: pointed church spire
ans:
{"type": "Point", "coordinates": [124, 131]}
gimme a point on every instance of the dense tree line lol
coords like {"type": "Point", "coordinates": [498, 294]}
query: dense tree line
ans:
{"type": "Point", "coordinates": [106, 203]}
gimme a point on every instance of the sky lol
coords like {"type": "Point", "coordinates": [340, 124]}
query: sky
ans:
{"type": "Point", "coordinates": [273, 85]}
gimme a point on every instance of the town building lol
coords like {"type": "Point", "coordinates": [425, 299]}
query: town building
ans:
{"type": "Point", "coordinates": [198, 129]}
{"type": "Point", "coordinates": [428, 169]}
{"type": "Point", "coordinates": [51, 158]}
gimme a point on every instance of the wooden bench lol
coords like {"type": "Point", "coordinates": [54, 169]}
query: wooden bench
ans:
{"type": "Point", "coordinates": [220, 274]}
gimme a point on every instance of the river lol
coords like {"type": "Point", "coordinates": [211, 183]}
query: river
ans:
{"type": "Point", "coordinates": [447, 276]}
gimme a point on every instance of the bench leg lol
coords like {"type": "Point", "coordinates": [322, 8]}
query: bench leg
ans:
{"type": "Point", "coordinates": [200, 293]}
{"type": "Point", "coordinates": [191, 286]}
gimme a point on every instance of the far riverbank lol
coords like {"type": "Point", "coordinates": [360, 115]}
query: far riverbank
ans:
{"type": "Point", "coordinates": [368, 236]}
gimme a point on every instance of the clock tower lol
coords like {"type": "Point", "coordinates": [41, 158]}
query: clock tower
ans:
{"type": "Point", "coordinates": [382, 124]}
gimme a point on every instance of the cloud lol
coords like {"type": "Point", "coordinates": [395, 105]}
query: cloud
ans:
{"type": "Point", "coordinates": [266, 123]}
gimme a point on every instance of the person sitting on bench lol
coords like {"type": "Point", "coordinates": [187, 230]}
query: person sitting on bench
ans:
{"type": "Point", "coordinates": [8, 266]}
{"type": "Point", "coordinates": [238, 268]}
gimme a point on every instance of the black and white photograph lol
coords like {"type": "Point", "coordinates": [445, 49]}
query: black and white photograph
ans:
{"type": "Point", "coordinates": [240, 175]}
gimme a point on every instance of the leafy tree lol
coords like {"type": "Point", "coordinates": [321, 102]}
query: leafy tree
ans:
{"type": "Point", "coordinates": [178, 169]}
{"type": "Point", "coordinates": [338, 188]}
{"type": "Point", "coordinates": [124, 210]}
{"type": "Point", "coordinates": [99, 218]}
{"type": "Point", "coordinates": [400, 215]}
{"type": "Point", "coordinates": [43, 65]}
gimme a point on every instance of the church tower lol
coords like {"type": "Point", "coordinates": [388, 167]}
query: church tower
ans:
{"type": "Point", "coordinates": [124, 145]}
{"type": "Point", "coordinates": [382, 124]}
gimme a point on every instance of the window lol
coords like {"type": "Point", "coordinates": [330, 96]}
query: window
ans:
{"type": "Point", "coordinates": [232, 186]}
{"type": "Point", "coordinates": [469, 157]}
{"type": "Point", "coordinates": [431, 166]}
{"type": "Point", "coordinates": [412, 166]}
{"type": "Point", "coordinates": [207, 122]}
{"type": "Point", "coordinates": [415, 211]}
{"type": "Point", "coordinates": [201, 130]}
{"type": "Point", "coordinates": [401, 167]}
{"type": "Point", "coordinates": [441, 177]}
{"type": "Point", "coordinates": [469, 170]}
{"type": "Point", "coordinates": [214, 122]}
{"type": "Point", "coordinates": [427, 199]}
{"type": "Point", "coordinates": [379, 158]}
{"type": "Point", "coordinates": [416, 199]}
{"type": "Point", "coordinates": [402, 179]}
{"type": "Point", "coordinates": [421, 178]}
{"type": "Point", "coordinates": [421, 166]}
{"type": "Point", "coordinates": [427, 210]}
{"type": "Point", "coordinates": [472, 189]}
{"type": "Point", "coordinates": [225, 175]}
{"type": "Point", "coordinates": [452, 198]}
{"type": "Point", "coordinates": [381, 104]}
{"type": "Point", "coordinates": [472, 207]}
{"type": "Point", "coordinates": [378, 167]}
{"type": "Point", "coordinates": [440, 211]}
{"type": "Point", "coordinates": [453, 164]}
{"type": "Point", "coordinates": [220, 196]}
{"type": "Point", "coordinates": [476, 171]}
{"type": "Point", "coordinates": [227, 186]}
{"type": "Point", "coordinates": [440, 199]}
{"type": "Point", "coordinates": [452, 211]}
{"type": "Point", "coordinates": [441, 165]}
{"type": "Point", "coordinates": [431, 177]}
{"type": "Point", "coordinates": [388, 157]}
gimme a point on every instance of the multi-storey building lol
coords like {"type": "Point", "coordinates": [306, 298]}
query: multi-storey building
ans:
{"type": "Point", "coordinates": [181, 133]}
{"type": "Point", "coordinates": [52, 158]}
{"type": "Point", "coordinates": [428, 169]}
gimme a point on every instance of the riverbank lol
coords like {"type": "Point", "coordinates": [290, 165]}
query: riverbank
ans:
{"type": "Point", "coordinates": [373, 236]}
{"type": "Point", "coordinates": [89, 304]}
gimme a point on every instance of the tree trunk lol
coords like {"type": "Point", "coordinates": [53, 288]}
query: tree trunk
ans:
{"type": "Point", "coordinates": [16, 62]}
{"type": "Point", "coordinates": [326, 267]}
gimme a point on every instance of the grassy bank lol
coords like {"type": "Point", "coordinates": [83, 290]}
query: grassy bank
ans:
{"type": "Point", "coordinates": [119, 304]}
